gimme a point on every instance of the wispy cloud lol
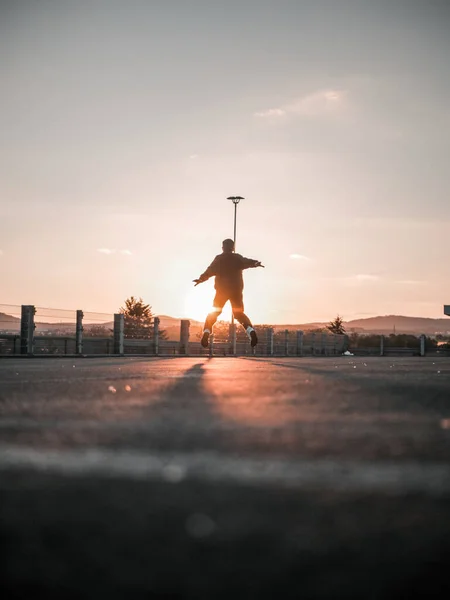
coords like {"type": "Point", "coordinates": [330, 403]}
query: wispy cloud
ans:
{"type": "Point", "coordinates": [359, 279]}
{"type": "Point", "coordinates": [299, 257]}
{"type": "Point", "coordinates": [411, 282]}
{"type": "Point", "coordinates": [1, 252]}
{"type": "Point", "coordinates": [193, 156]}
{"type": "Point", "coordinates": [365, 278]}
{"type": "Point", "coordinates": [318, 103]}
{"type": "Point", "coordinates": [114, 251]}
{"type": "Point", "coordinates": [271, 112]}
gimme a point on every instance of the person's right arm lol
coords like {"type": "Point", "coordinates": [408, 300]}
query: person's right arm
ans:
{"type": "Point", "coordinates": [210, 272]}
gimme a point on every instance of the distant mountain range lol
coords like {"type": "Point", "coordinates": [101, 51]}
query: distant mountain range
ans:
{"type": "Point", "coordinates": [8, 321]}
{"type": "Point", "coordinates": [373, 325]}
{"type": "Point", "coordinates": [385, 325]}
{"type": "Point", "coordinates": [376, 325]}
{"type": "Point", "coordinates": [400, 324]}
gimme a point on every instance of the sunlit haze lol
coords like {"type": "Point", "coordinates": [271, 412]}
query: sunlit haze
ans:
{"type": "Point", "coordinates": [126, 125]}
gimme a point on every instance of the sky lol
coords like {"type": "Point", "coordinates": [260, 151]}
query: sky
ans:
{"type": "Point", "coordinates": [126, 125]}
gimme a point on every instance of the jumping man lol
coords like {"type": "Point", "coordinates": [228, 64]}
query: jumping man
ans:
{"type": "Point", "coordinates": [229, 284]}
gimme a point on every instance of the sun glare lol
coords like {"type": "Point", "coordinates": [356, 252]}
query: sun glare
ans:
{"type": "Point", "coordinates": [199, 302]}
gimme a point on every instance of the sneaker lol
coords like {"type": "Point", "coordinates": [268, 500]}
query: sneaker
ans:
{"type": "Point", "coordinates": [205, 339]}
{"type": "Point", "coordinates": [253, 338]}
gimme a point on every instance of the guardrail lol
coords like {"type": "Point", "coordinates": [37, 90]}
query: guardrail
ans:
{"type": "Point", "coordinates": [97, 334]}
{"type": "Point", "coordinates": [75, 338]}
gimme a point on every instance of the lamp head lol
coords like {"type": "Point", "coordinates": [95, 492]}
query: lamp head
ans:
{"type": "Point", "coordinates": [235, 199]}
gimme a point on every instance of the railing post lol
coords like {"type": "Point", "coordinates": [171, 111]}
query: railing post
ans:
{"type": "Point", "coordinates": [422, 345]}
{"type": "Point", "coordinates": [335, 338]}
{"type": "Point", "coordinates": [270, 341]}
{"type": "Point", "coordinates": [184, 336]}
{"type": "Point", "coordinates": [211, 345]}
{"type": "Point", "coordinates": [323, 343]}
{"type": "Point", "coordinates": [313, 343]}
{"type": "Point", "coordinates": [232, 334]}
{"type": "Point", "coordinates": [119, 322]}
{"type": "Point", "coordinates": [299, 342]}
{"type": "Point", "coordinates": [27, 328]}
{"type": "Point", "coordinates": [156, 322]}
{"type": "Point", "coordinates": [346, 344]}
{"type": "Point", "coordinates": [382, 345]}
{"type": "Point", "coordinates": [232, 342]}
{"type": "Point", "coordinates": [79, 333]}
{"type": "Point", "coordinates": [286, 342]}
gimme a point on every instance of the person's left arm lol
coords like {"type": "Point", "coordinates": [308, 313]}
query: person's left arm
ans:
{"type": "Point", "coordinates": [250, 263]}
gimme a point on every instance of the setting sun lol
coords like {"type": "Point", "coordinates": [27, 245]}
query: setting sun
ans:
{"type": "Point", "coordinates": [199, 302]}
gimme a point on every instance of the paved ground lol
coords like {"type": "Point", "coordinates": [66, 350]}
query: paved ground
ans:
{"type": "Point", "coordinates": [197, 478]}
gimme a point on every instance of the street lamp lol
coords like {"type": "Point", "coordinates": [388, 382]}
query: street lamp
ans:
{"type": "Point", "coordinates": [235, 200]}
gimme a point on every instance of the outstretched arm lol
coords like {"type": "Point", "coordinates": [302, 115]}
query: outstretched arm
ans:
{"type": "Point", "coordinates": [210, 272]}
{"type": "Point", "coordinates": [250, 263]}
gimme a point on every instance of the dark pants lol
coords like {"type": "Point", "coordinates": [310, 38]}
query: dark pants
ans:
{"type": "Point", "coordinates": [237, 304]}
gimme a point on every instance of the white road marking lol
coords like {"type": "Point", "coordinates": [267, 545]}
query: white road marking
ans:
{"type": "Point", "coordinates": [393, 478]}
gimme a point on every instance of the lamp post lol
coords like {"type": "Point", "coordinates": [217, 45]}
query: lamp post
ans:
{"type": "Point", "coordinates": [235, 200]}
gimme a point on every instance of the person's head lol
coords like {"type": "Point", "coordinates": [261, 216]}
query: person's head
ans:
{"type": "Point", "coordinates": [228, 245]}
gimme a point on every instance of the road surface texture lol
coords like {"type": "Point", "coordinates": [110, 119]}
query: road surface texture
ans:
{"type": "Point", "coordinates": [225, 478]}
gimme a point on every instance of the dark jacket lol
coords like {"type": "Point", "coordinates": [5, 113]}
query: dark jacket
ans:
{"type": "Point", "coordinates": [227, 269]}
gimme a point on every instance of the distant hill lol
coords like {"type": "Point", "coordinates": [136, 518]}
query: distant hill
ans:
{"type": "Point", "coordinates": [390, 323]}
{"type": "Point", "coordinates": [378, 325]}
{"type": "Point", "coordinates": [384, 325]}
{"type": "Point", "coordinates": [166, 321]}
{"type": "Point", "coordinates": [373, 325]}
{"type": "Point", "coordinates": [9, 323]}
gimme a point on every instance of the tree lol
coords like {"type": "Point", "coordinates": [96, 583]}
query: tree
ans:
{"type": "Point", "coordinates": [353, 339]}
{"type": "Point", "coordinates": [337, 326]}
{"type": "Point", "coordinates": [403, 340]}
{"type": "Point", "coordinates": [139, 319]}
{"type": "Point", "coordinates": [368, 341]}
{"type": "Point", "coordinates": [98, 331]}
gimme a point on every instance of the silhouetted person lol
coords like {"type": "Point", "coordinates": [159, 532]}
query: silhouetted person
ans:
{"type": "Point", "coordinates": [227, 269]}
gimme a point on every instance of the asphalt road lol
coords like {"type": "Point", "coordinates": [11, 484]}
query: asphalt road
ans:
{"type": "Point", "coordinates": [197, 478]}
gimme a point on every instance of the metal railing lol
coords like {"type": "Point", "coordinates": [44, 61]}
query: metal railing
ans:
{"type": "Point", "coordinates": [35, 331]}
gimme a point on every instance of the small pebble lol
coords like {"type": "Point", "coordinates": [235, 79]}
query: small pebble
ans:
{"type": "Point", "coordinates": [174, 473]}
{"type": "Point", "coordinates": [199, 525]}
